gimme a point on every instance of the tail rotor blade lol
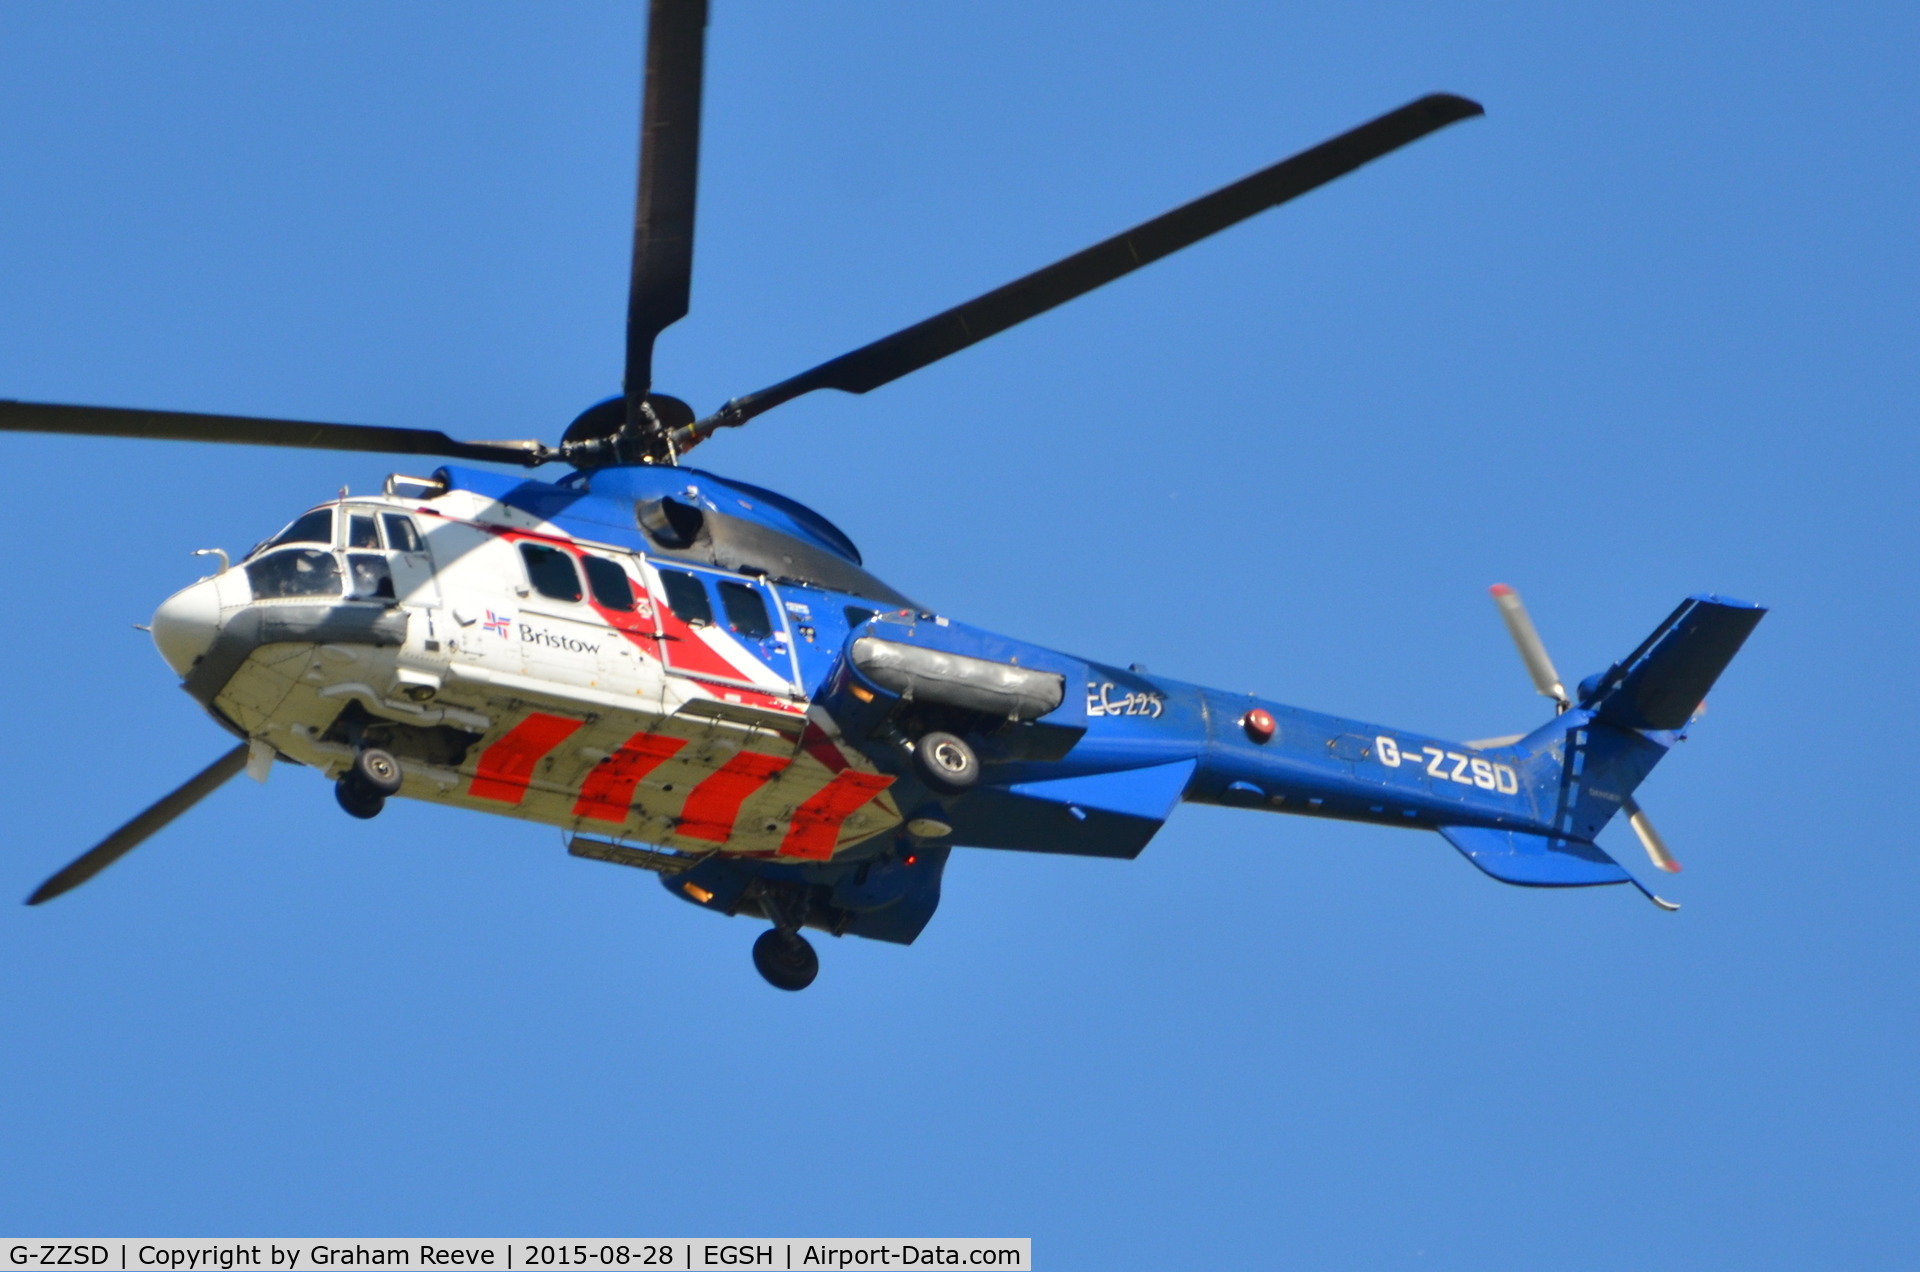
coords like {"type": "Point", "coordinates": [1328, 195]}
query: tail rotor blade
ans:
{"type": "Point", "coordinates": [1649, 838]}
{"type": "Point", "coordinates": [130, 836]}
{"type": "Point", "coordinates": [1533, 651]}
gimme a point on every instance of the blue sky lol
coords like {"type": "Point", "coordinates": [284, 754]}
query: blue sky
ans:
{"type": "Point", "coordinates": [1646, 329]}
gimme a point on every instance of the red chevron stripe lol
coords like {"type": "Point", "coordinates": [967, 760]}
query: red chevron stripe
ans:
{"type": "Point", "coordinates": [816, 823]}
{"type": "Point", "coordinates": [506, 767]}
{"type": "Point", "coordinates": [821, 748]}
{"type": "Point", "coordinates": [607, 794]}
{"type": "Point", "coordinates": [714, 805]}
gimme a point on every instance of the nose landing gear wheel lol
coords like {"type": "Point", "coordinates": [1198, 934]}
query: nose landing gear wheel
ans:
{"type": "Point", "coordinates": [947, 763]}
{"type": "Point", "coordinates": [785, 959]}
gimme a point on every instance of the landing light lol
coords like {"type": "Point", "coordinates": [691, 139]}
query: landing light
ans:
{"type": "Point", "coordinates": [416, 686]}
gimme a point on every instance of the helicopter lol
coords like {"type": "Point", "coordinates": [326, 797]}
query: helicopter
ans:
{"type": "Point", "coordinates": [698, 677]}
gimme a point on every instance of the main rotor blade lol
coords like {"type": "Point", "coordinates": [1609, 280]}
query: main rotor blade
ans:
{"type": "Point", "coordinates": [669, 164]}
{"type": "Point", "coordinates": [914, 347]}
{"type": "Point", "coordinates": [1533, 651]}
{"type": "Point", "coordinates": [1649, 837]}
{"type": "Point", "coordinates": [128, 837]}
{"type": "Point", "coordinates": [183, 426]}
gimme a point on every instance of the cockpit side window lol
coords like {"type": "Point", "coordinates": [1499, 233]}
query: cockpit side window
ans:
{"type": "Point", "coordinates": [295, 572]}
{"type": "Point", "coordinates": [686, 596]}
{"type": "Point", "coordinates": [401, 536]}
{"type": "Point", "coordinates": [372, 580]}
{"type": "Point", "coordinates": [551, 572]}
{"type": "Point", "coordinates": [362, 531]}
{"type": "Point", "coordinates": [315, 527]}
{"type": "Point", "coordinates": [609, 583]}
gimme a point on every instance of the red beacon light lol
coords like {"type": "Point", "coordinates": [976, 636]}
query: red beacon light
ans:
{"type": "Point", "coordinates": [1259, 725]}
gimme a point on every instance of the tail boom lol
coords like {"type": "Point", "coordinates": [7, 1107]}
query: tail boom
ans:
{"type": "Point", "coordinates": [1525, 813]}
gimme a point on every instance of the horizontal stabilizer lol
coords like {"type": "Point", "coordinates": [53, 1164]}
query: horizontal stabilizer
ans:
{"type": "Point", "coordinates": [1535, 861]}
{"type": "Point", "coordinates": [1094, 815]}
{"type": "Point", "coordinates": [1661, 684]}
{"type": "Point", "coordinates": [1143, 792]}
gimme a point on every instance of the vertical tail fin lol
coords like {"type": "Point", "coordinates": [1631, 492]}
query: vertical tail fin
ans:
{"type": "Point", "coordinates": [1589, 760]}
{"type": "Point", "coordinates": [1584, 765]}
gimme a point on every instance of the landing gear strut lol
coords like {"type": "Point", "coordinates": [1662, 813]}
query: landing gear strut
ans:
{"type": "Point", "coordinates": [781, 955]}
{"type": "Point", "coordinates": [363, 789]}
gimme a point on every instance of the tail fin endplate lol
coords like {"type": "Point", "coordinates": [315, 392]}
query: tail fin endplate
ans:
{"type": "Point", "coordinates": [1661, 684]}
{"type": "Point", "coordinates": [1535, 861]}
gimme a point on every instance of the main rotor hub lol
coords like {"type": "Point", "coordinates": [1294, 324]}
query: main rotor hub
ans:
{"type": "Point", "coordinates": [603, 434]}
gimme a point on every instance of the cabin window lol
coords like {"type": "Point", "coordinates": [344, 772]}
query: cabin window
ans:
{"type": "Point", "coordinates": [315, 527]}
{"type": "Point", "coordinates": [294, 572]}
{"type": "Point", "coordinates": [371, 578]}
{"type": "Point", "coordinates": [686, 596]}
{"type": "Point", "coordinates": [609, 583]}
{"type": "Point", "coordinates": [401, 536]}
{"type": "Point", "coordinates": [856, 615]}
{"type": "Point", "coordinates": [362, 532]}
{"type": "Point", "coordinates": [551, 571]}
{"type": "Point", "coordinates": [746, 612]}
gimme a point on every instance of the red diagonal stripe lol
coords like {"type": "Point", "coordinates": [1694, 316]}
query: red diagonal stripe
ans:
{"type": "Point", "coordinates": [816, 823]}
{"type": "Point", "coordinates": [506, 767]}
{"type": "Point", "coordinates": [607, 794]}
{"type": "Point", "coordinates": [714, 805]}
{"type": "Point", "coordinates": [690, 653]}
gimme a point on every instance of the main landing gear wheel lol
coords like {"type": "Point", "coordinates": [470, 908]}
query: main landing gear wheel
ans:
{"type": "Point", "coordinates": [358, 799]}
{"type": "Point", "coordinates": [376, 770]}
{"type": "Point", "coordinates": [363, 789]}
{"type": "Point", "coordinates": [947, 763]}
{"type": "Point", "coordinates": [786, 959]}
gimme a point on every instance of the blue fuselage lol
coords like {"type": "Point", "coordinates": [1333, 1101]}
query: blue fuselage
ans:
{"type": "Point", "coordinates": [1097, 774]}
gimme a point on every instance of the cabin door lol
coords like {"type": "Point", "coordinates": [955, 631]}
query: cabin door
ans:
{"type": "Point", "coordinates": [729, 630]}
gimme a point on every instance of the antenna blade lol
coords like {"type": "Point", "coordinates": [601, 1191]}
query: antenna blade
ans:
{"type": "Point", "coordinates": [1533, 651]}
{"type": "Point", "coordinates": [186, 426]}
{"type": "Point", "coordinates": [662, 277]}
{"type": "Point", "coordinates": [1649, 837]}
{"type": "Point", "coordinates": [130, 836]}
{"type": "Point", "coordinates": [914, 347]}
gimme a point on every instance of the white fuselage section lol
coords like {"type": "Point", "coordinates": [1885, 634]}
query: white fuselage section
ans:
{"type": "Point", "coordinates": [513, 669]}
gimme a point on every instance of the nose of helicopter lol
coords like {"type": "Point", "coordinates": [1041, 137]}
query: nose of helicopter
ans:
{"type": "Point", "coordinates": [186, 623]}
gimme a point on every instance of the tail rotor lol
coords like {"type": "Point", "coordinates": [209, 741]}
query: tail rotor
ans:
{"type": "Point", "coordinates": [1533, 652]}
{"type": "Point", "coordinates": [1649, 837]}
